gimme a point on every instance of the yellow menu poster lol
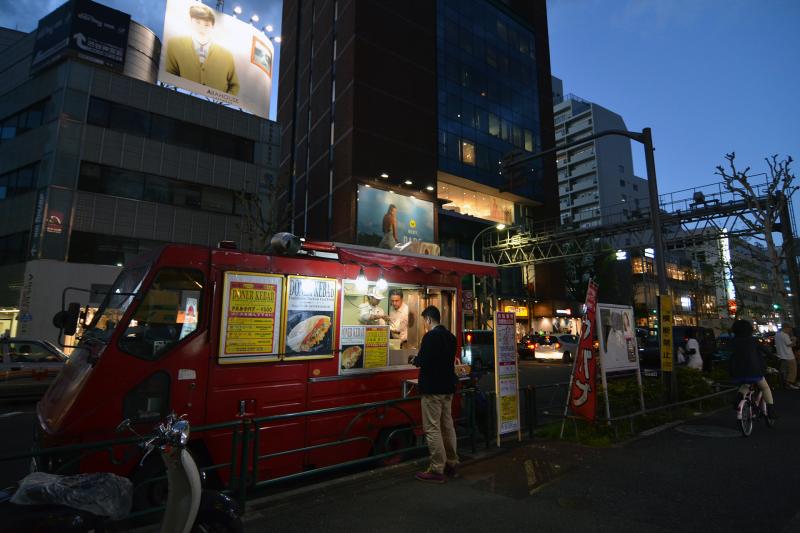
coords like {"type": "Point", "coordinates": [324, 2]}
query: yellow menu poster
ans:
{"type": "Point", "coordinates": [251, 317]}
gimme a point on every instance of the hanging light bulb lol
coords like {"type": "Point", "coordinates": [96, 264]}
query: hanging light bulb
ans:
{"type": "Point", "coordinates": [381, 285]}
{"type": "Point", "coordinates": [361, 282]}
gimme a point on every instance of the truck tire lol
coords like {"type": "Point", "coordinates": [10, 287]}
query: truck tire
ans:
{"type": "Point", "coordinates": [389, 440]}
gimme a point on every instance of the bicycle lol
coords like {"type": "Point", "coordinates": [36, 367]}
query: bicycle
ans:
{"type": "Point", "coordinates": [749, 410]}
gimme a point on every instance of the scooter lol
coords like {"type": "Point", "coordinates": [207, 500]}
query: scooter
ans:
{"type": "Point", "coordinates": [92, 502]}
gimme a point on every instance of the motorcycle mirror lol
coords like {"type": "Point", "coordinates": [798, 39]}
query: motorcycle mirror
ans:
{"type": "Point", "coordinates": [68, 320]}
{"type": "Point", "coordinates": [124, 425]}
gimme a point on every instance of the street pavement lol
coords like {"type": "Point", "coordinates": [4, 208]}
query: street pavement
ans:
{"type": "Point", "coordinates": [700, 476]}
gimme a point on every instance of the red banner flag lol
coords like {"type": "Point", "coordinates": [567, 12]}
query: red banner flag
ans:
{"type": "Point", "coordinates": [583, 395]}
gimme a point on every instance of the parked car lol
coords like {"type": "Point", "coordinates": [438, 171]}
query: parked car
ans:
{"type": "Point", "coordinates": [569, 346]}
{"type": "Point", "coordinates": [477, 349]}
{"type": "Point", "coordinates": [549, 347]}
{"type": "Point", "coordinates": [650, 353]}
{"type": "Point", "coordinates": [28, 366]}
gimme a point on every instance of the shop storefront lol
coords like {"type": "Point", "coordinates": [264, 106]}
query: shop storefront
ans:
{"type": "Point", "coordinates": [556, 316]}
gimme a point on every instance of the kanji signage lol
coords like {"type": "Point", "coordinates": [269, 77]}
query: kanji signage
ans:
{"type": "Point", "coordinates": [583, 393]}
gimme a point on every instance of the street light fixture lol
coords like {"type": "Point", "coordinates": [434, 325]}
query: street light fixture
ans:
{"type": "Point", "coordinates": [237, 10]}
{"type": "Point", "coordinates": [499, 227]}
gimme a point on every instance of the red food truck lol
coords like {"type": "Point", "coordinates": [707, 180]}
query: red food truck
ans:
{"type": "Point", "coordinates": [220, 335]}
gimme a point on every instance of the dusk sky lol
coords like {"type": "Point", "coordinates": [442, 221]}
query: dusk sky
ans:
{"type": "Point", "coordinates": [708, 76]}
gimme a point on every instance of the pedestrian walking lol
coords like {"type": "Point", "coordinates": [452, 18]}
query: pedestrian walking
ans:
{"type": "Point", "coordinates": [437, 383]}
{"type": "Point", "coordinates": [784, 347]}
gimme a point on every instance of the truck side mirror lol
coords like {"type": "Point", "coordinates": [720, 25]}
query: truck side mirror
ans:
{"type": "Point", "coordinates": [68, 320]}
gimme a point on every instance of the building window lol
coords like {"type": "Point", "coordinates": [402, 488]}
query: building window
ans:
{"type": "Point", "coordinates": [19, 181]}
{"type": "Point", "coordinates": [476, 204]}
{"type": "Point", "coordinates": [12, 248]}
{"type": "Point", "coordinates": [621, 183]}
{"type": "Point", "coordinates": [635, 186]}
{"type": "Point", "coordinates": [126, 119]}
{"type": "Point", "coordinates": [106, 249]}
{"type": "Point", "coordinates": [621, 169]}
{"type": "Point", "coordinates": [113, 181]}
{"type": "Point", "coordinates": [467, 153]}
{"type": "Point", "coordinates": [29, 118]}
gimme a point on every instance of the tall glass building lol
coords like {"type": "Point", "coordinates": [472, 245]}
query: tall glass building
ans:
{"type": "Point", "coordinates": [488, 96]}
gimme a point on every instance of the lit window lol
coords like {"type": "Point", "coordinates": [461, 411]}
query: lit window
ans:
{"type": "Point", "coordinates": [468, 153]}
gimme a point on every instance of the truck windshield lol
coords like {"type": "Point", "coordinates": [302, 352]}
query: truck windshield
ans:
{"type": "Point", "coordinates": [116, 302]}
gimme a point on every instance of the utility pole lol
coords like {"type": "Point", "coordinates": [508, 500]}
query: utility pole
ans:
{"type": "Point", "coordinates": [646, 139]}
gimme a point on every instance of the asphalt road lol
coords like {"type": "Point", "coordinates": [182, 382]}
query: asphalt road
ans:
{"type": "Point", "coordinates": [701, 476]}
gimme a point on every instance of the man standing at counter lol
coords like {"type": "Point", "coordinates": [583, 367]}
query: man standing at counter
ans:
{"type": "Point", "coordinates": [398, 317]}
{"type": "Point", "coordinates": [437, 383]}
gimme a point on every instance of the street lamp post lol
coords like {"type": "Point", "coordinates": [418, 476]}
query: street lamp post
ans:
{"type": "Point", "coordinates": [498, 227]}
{"type": "Point", "coordinates": [646, 139]}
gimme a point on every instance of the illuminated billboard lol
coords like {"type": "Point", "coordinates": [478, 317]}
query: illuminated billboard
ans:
{"type": "Point", "coordinates": [217, 56]}
{"type": "Point", "coordinates": [386, 218]}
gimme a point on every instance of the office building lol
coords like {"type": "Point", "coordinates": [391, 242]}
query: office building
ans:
{"type": "Point", "coordinates": [596, 183]}
{"type": "Point", "coordinates": [100, 164]}
{"type": "Point", "coordinates": [414, 104]}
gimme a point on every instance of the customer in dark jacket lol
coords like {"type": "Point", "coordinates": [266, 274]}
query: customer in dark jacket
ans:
{"type": "Point", "coordinates": [747, 365]}
{"type": "Point", "coordinates": [437, 383]}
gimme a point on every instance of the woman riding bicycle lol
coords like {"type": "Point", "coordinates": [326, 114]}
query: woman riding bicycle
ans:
{"type": "Point", "coordinates": [747, 365]}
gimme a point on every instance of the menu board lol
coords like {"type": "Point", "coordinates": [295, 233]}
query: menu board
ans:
{"type": "Point", "coordinates": [310, 317]}
{"type": "Point", "coordinates": [364, 347]}
{"type": "Point", "coordinates": [506, 374]}
{"type": "Point", "coordinates": [251, 317]}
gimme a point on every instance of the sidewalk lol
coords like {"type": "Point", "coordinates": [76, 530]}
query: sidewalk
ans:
{"type": "Point", "coordinates": [699, 476]}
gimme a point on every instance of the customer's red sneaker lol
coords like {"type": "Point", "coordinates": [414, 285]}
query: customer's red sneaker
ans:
{"type": "Point", "coordinates": [430, 476]}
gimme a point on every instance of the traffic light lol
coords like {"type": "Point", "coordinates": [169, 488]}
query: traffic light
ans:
{"type": "Point", "coordinates": [776, 307]}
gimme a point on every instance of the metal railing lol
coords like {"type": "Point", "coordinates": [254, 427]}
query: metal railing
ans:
{"type": "Point", "coordinates": [250, 436]}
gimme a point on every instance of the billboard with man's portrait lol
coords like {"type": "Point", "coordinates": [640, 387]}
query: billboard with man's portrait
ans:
{"type": "Point", "coordinates": [386, 218]}
{"type": "Point", "coordinates": [217, 56]}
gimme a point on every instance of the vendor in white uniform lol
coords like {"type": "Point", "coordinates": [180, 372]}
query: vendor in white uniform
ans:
{"type": "Point", "coordinates": [398, 317]}
{"type": "Point", "coordinates": [370, 312]}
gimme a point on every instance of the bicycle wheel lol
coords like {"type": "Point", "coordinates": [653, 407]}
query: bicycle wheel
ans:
{"type": "Point", "coordinates": [746, 422]}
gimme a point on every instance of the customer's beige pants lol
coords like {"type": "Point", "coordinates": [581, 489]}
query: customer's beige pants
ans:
{"type": "Point", "coordinates": [437, 421]}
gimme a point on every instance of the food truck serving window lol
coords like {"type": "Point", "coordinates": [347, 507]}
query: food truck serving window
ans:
{"type": "Point", "coordinates": [168, 313]}
{"type": "Point", "coordinates": [381, 329]}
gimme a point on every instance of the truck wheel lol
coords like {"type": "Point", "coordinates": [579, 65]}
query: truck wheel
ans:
{"type": "Point", "coordinates": [566, 358]}
{"type": "Point", "coordinates": [394, 439]}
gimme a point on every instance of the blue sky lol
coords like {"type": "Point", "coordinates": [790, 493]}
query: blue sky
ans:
{"type": "Point", "coordinates": [708, 76]}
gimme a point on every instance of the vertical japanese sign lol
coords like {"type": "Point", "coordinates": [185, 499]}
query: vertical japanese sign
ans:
{"type": "Point", "coordinates": [665, 326]}
{"type": "Point", "coordinates": [251, 312]}
{"type": "Point", "coordinates": [583, 393]}
{"type": "Point", "coordinates": [310, 317]}
{"type": "Point", "coordinates": [364, 347]}
{"type": "Point", "coordinates": [506, 373]}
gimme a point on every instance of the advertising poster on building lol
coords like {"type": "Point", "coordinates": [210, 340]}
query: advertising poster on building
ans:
{"type": "Point", "coordinates": [506, 373]}
{"type": "Point", "coordinates": [364, 347]}
{"type": "Point", "coordinates": [85, 29]}
{"type": "Point", "coordinates": [618, 350]}
{"type": "Point", "coordinates": [665, 323]}
{"type": "Point", "coordinates": [405, 218]}
{"type": "Point", "coordinates": [216, 56]}
{"type": "Point", "coordinates": [251, 317]}
{"type": "Point", "coordinates": [310, 317]}
{"type": "Point", "coordinates": [583, 390]}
